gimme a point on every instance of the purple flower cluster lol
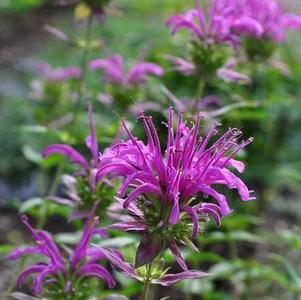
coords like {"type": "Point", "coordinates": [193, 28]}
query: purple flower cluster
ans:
{"type": "Point", "coordinates": [162, 191]}
{"type": "Point", "coordinates": [59, 74]}
{"type": "Point", "coordinates": [222, 22]}
{"type": "Point", "coordinates": [114, 71]}
{"type": "Point", "coordinates": [58, 274]}
{"type": "Point", "coordinates": [271, 17]}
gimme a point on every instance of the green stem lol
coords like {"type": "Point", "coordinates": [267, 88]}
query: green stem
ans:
{"type": "Point", "coordinates": [80, 92]}
{"type": "Point", "coordinates": [147, 282]}
{"type": "Point", "coordinates": [83, 67]}
{"type": "Point", "coordinates": [200, 90]}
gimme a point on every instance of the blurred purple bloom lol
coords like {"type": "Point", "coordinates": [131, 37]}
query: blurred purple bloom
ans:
{"type": "Point", "coordinates": [170, 182]}
{"type": "Point", "coordinates": [271, 18]}
{"type": "Point", "coordinates": [114, 70]}
{"type": "Point", "coordinates": [56, 271]}
{"type": "Point", "coordinates": [222, 22]}
{"type": "Point", "coordinates": [59, 74]}
{"type": "Point", "coordinates": [181, 65]}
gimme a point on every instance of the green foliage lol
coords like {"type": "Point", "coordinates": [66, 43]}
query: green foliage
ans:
{"type": "Point", "coordinates": [19, 6]}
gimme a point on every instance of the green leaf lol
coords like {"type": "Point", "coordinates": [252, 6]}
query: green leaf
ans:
{"type": "Point", "coordinates": [21, 296]}
{"type": "Point", "coordinates": [4, 249]}
{"type": "Point", "coordinates": [114, 297]}
{"type": "Point", "coordinates": [31, 154]}
{"type": "Point", "coordinates": [117, 242]}
{"type": "Point", "coordinates": [19, 5]}
{"type": "Point", "coordinates": [29, 204]}
{"type": "Point", "coordinates": [68, 238]}
{"type": "Point", "coordinates": [244, 236]}
{"type": "Point", "coordinates": [34, 129]}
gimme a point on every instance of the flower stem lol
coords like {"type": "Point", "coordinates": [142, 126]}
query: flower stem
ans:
{"type": "Point", "coordinates": [83, 67]}
{"type": "Point", "coordinates": [80, 92]}
{"type": "Point", "coordinates": [147, 283]}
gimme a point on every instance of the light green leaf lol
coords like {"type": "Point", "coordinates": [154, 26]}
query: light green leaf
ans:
{"type": "Point", "coordinates": [29, 204]}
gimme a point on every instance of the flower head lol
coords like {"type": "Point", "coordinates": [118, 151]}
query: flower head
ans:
{"type": "Point", "coordinates": [214, 29]}
{"type": "Point", "coordinates": [222, 22]}
{"type": "Point", "coordinates": [123, 85]}
{"type": "Point", "coordinates": [271, 18]}
{"type": "Point", "coordinates": [81, 188]}
{"type": "Point", "coordinates": [59, 74]}
{"type": "Point", "coordinates": [163, 191]}
{"type": "Point", "coordinates": [114, 71]}
{"type": "Point", "coordinates": [65, 277]}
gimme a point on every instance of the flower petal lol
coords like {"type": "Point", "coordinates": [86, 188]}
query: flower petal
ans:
{"type": "Point", "coordinates": [170, 279]}
{"type": "Point", "coordinates": [68, 151]}
{"type": "Point", "coordinates": [128, 226]}
{"type": "Point", "coordinates": [177, 254]}
{"type": "Point", "coordinates": [37, 268]}
{"type": "Point", "coordinates": [194, 217]}
{"type": "Point", "coordinates": [95, 270]}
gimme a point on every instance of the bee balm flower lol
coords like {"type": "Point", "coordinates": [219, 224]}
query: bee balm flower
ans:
{"type": "Point", "coordinates": [123, 85]}
{"type": "Point", "coordinates": [272, 18]}
{"type": "Point", "coordinates": [222, 22]}
{"type": "Point", "coordinates": [163, 190]}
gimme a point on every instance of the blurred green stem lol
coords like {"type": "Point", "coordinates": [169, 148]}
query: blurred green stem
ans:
{"type": "Point", "coordinates": [83, 67]}
{"type": "Point", "coordinates": [147, 283]}
{"type": "Point", "coordinates": [80, 92]}
{"type": "Point", "coordinates": [200, 90]}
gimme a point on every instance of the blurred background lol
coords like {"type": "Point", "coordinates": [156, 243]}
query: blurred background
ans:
{"type": "Point", "coordinates": [257, 250]}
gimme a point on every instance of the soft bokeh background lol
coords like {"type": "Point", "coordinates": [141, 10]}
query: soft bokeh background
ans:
{"type": "Point", "coordinates": [256, 252]}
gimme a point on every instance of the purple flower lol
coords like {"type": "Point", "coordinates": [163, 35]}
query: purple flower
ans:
{"type": "Point", "coordinates": [162, 192]}
{"type": "Point", "coordinates": [271, 18]}
{"type": "Point", "coordinates": [59, 74]}
{"type": "Point", "coordinates": [76, 186]}
{"type": "Point", "coordinates": [114, 71]}
{"type": "Point", "coordinates": [57, 274]}
{"type": "Point", "coordinates": [222, 22]}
